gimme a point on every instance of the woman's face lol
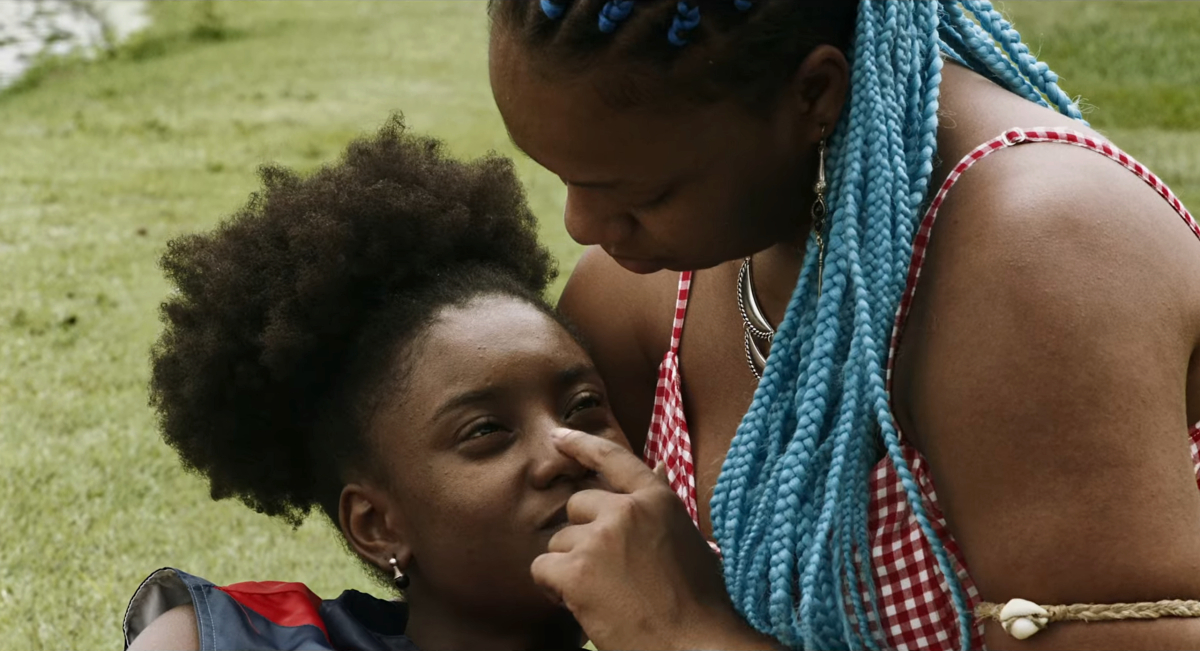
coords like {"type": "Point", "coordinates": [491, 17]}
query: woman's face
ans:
{"type": "Point", "coordinates": [667, 185]}
{"type": "Point", "coordinates": [467, 447]}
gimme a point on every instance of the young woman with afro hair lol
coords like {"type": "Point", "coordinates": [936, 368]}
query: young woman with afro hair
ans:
{"type": "Point", "coordinates": [371, 341]}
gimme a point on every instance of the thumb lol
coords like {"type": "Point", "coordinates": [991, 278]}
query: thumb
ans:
{"type": "Point", "coordinates": [660, 471]}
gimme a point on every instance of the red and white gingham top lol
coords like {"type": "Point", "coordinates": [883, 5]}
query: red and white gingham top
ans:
{"type": "Point", "coordinates": [915, 598]}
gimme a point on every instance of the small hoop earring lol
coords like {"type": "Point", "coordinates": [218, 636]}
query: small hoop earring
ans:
{"type": "Point", "coordinates": [398, 577]}
{"type": "Point", "coordinates": [819, 210]}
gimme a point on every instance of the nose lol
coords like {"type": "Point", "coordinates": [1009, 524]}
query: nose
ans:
{"type": "Point", "coordinates": [590, 221]}
{"type": "Point", "coordinates": [551, 467]}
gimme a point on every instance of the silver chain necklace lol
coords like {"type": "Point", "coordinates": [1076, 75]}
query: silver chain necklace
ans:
{"type": "Point", "coordinates": [758, 331]}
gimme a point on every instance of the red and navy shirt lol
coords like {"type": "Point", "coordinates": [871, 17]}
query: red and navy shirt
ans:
{"type": "Point", "coordinates": [270, 615]}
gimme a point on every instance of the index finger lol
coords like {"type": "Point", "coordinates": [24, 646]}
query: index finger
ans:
{"type": "Point", "coordinates": [624, 471]}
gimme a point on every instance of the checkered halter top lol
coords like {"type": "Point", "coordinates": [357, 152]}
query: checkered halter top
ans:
{"type": "Point", "coordinates": [914, 595]}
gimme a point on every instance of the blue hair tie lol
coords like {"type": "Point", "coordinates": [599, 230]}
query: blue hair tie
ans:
{"type": "Point", "coordinates": [613, 12]}
{"type": "Point", "coordinates": [686, 19]}
{"type": "Point", "coordinates": [553, 10]}
{"type": "Point", "coordinates": [743, 5]}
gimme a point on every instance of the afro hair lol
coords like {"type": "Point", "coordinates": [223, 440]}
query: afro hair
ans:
{"type": "Point", "coordinates": [287, 314]}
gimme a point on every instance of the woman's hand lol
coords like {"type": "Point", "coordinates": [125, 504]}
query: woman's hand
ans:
{"type": "Point", "coordinates": [632, 567]}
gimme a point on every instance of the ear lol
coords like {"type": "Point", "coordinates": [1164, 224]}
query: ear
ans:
{"type": "Point", "coordinates": [374, 525]}
{"type": "Point", "coordinates": [818, 89]}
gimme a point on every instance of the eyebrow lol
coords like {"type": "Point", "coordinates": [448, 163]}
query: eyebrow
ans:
{"type": "Point", "coordinates": [563, 378]}
{"type": "Point", "coordinates": [576, 373]}
{"type": "Point", "coordinates": [464, 399]}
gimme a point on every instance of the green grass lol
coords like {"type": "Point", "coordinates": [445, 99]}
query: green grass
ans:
{"type": "Point", "coordinates": [101, 163]}
{"type": "Point", "coordinates": [1137, 65]}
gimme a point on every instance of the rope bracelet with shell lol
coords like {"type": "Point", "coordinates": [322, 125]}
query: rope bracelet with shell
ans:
{"type": "Point", "coordinates": [1022, 619]}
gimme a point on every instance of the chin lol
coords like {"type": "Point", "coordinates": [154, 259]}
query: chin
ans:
{"type": "Point", "coordinates": [647, 267]}
{"type": "Point", "coordinates": [711, 264]}
{"type": "Point", "coordinates": [638, 266]}
{"type": "Point", "coordinates": [700, 265]}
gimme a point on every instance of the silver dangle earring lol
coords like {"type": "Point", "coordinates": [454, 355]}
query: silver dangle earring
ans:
{"type": "Point", "coordinates": [757, 333]}
{"type": "Point", "coordinates": [398, 577]}
{"type": "Point", "coordinates": [819, 210]}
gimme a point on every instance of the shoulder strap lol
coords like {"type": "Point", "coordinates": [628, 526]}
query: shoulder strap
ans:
{"type": "Point", "coordinates": [681, 302]}
{"type": "Point", "coordinates": [1011, 138]}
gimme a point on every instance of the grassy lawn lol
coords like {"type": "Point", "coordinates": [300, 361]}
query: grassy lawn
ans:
{"type": "Point", "coordinates": [100, 164]}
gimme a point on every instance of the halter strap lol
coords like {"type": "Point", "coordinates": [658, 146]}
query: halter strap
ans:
{"type": "Point", "coordinates": [1012, 138]}
{"type": "Point", "coordinates": [681, 301]}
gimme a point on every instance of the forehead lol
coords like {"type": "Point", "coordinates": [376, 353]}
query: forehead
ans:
{"type": "Point", "coordinates": [490, 341]}
{"type": "Point", "coordinates": [497, 325]}
{"type": "Point", "coordinates": [563, 121]}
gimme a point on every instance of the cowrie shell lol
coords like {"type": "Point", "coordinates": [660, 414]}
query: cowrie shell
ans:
{"type": "Point", "coordinates": [1022, 619]}
{"type": "Point", "coordinates": [1021, 627]}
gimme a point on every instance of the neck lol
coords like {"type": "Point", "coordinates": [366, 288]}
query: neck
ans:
{"type": "Point", "coordinates": [776, 271]}
{"type": "Point", "coordinates": [432, 625]}
{"type": "Point", "coordinates": [964, 96]}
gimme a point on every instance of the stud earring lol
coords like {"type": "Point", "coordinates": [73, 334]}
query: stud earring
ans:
{"type": "Point", "coordinates": [398, 577]}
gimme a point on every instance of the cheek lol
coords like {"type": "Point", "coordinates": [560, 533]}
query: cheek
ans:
{"type": "Point", "coordinates": [466, 500]}
{"type": "Point", "coordinates": [725, 219]}
{"type": "Point", "coordinates": [470, 539]}
{"type": "Point", "coordinates": [749, 201]}
{"type": "Point", "coordinates": [770, 201]}
{"type": "Point", "coordinates": [777, 204]}
{"type": "Point", "coordinates": [469, 528]}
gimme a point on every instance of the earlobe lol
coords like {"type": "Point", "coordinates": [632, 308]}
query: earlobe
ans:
{"type": "Point", "coordinates": [374, 526]}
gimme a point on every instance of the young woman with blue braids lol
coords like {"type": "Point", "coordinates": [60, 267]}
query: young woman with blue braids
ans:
{"type": "Point", "coordinates": [771, 170]}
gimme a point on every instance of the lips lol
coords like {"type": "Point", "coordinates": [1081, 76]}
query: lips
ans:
{"type": "Point", "coordinates": [638, 265]}
{"type": "Point", "coordinates": [557, 520]}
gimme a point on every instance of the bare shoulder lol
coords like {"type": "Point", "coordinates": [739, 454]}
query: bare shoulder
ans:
{"type": "Point", "coordinates": [625, 320]}
{"type": "Point", "coordinates": [1059, 218]}
{"type": "Point", "coordinates": [174, 630]}
{"type": "Point", "coordinates": [1044, 377]}
{"type": "Point", "coordinates": [611, 305]}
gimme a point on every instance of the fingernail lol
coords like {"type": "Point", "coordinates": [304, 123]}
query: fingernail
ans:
{"type": "Point", "coordinates": [558, 434]}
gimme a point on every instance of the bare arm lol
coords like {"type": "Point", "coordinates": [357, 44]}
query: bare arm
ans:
{"type": "Point", "coordinates": [625, 320]}
{"type": "Point", "coordinates": [174, 630]}
{"type": "Point", "coordinates": [1047, 385]}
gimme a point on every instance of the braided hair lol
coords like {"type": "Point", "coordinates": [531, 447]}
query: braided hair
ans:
{"type": "Point", "coordinates": [790, 506]}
